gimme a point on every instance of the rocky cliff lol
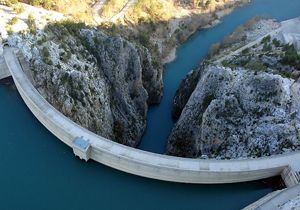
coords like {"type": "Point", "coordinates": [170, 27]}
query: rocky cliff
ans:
{"type": "Point", "coordinates": [246, 106]}
{"type": "Point", "coordinates": [100, 82]}
{"type": "Point", "coordinates": [104, 83]}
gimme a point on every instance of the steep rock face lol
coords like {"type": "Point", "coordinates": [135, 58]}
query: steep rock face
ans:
{"type": "Point", "coordinates": [151, 76]}
{"type": "Point", "coordinates": [238, 113]}
{"type": "Point", "coordinates": [97, 81]}
{"type": "Point", "coordinates": [185, 90]}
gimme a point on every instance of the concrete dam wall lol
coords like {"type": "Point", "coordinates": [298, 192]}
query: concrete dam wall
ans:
{"type": "Point", "coordinates": [88, 145]}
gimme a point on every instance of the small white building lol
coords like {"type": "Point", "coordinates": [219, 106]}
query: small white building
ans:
{"type": "Point", "coordinates": [82, 148]}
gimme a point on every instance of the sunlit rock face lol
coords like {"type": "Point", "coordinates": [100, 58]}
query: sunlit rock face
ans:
{"type": "Point", "coordinates": [237, 114]}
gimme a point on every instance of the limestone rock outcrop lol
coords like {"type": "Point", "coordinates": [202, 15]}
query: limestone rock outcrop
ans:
{"type": "Point", "coordinates": [238, 114]}
{"type": "Point", "coordinates": [101, 82]}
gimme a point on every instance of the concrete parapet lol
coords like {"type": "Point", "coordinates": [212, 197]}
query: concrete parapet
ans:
{"type": "Point", "coordinates": [290, 177]}
{"type": "Point", "coordinates": [261, 201]}
{"type": "Point", "coordinates": [4, 71]}
{"type": "Point", "coordinates": [275, 200]}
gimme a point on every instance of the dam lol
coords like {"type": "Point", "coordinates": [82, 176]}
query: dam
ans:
{"type": "Point", "coordinates": [40, 171]}
{"type": "Point", "coordinates": [88, 145]}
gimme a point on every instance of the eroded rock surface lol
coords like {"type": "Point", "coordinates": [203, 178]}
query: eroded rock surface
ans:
{"type": "Point", "coordinates": [238, 113]}
{"type": "Point", "coordinates": [245, 102]}
{"type": "Point", "coordinates": [101, 82]}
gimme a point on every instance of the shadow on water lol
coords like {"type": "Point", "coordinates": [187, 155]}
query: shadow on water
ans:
{"type": "Point", "coordinates": [39, 172]}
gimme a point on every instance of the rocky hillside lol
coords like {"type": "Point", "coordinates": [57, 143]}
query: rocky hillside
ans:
{"type": "Point", "coordinates": [101, 82]}
{"type": "Point", "coordinates": [244, 105]}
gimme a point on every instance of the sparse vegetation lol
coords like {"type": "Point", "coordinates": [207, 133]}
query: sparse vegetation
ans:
{"type": "Point", "coordinates": [13, 21]}
{"type": "Point", "coordinates": [8, 2]}
{"type": "Point", "coordinates": [267, 47]}
{"type": "Point", "coordinates": [46, 56]}
{"type": "Point", "coordinates": [31, 24]}
{"type": "Point", "coordinates": [144, 39]}
{"type": "Point", "coordinates": [266, 39]}
{"type": "Point", "coordinates": [291, 56]}
{"type": "Point", "coordinates": [112, 7]}
{"type": "Point", "coordinates": [276, 42]}
{"type": "Point", "coordinates": [78, 9]}
{"type": "Point", "coordinates": [18, 9]}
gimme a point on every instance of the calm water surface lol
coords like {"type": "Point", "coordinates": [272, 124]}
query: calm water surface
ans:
{"type": "Point", "coordinates": [37, 171]}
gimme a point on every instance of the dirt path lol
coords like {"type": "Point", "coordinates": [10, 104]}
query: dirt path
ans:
{"type": "Point", "coordinates": [123, 11]}
{"type": "Point", "coordinates": [96, 10]}
{"type": "Point", "coordinates": [238, 51]}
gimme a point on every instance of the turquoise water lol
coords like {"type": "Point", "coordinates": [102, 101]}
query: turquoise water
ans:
{"type": "Point", "coordinates": [37, 171]}
{"type": "Point", "coordinates": [193, 51]}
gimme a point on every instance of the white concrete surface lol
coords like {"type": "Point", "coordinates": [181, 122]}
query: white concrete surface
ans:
{"type": "Point", "coordinates": [290, 177]}
{"type": "Point", "coordinates": [4, 72]}
{"type": "Point", "coordinates": [275, 200]}
{"type": "Point", "coordinates": [139, 162]}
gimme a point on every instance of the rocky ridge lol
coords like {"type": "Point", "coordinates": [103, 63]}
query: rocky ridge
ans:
{"type": "Point", "coordinates": [101, 82]}
{"type": "Point", "coordinates": [246, 106]}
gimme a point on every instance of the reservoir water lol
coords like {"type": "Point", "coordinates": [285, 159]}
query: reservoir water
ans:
{"type": "Point", "coordinates": [37, 171]}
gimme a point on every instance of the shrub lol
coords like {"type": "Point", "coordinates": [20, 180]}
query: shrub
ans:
{"type": "Point", "coordinates": [45, 55]}
{"type": "Point", "coordinates": [9, 2]}
{"type": "Point", "coordinates": [291, 56]}
{"type": "Point", "coordinates": [47, 4]}
{"type": "Point", "coordinates": [31, 24]}
{"type": "Point", "coordinates": [18, 9]}
{"type": "Point", "coordinates": [13, 21]}
{"type": "Point", "coordinates": [267, 47]}
{"type": "Point", "coordinates": [144, 39]}
{"type": "Point", "coordinates": [30, 18]}
{"type": "Point", "coordinates": [32, 29]}
{"type": "Point", "coordinates": [245, 51]}
{"type": "Point", "coordinates": [45, 52]}
{"type": "Point", "coordinates": [266, 39]}
{"type": "Point", "coordinates": [276, 42]}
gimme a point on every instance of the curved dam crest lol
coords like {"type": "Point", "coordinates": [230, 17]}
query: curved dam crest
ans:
{"type": "Point", "coordinates": [39, 172]}
{"type": "Point", "coordinates": [88, 145]}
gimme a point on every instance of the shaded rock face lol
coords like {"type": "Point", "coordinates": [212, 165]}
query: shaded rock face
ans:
{"type": "Point", "coordinates": [185, 90]}
{"type": "Point", "coordinates": [233, 114]}
{"type": "Point", "coordinates": [101, 86]}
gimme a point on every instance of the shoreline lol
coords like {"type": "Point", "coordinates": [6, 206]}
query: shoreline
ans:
{"type": "Point", "coordinates": [171, 55]}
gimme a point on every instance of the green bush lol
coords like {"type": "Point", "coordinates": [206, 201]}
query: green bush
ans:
{"type": "Point", "coordinates": [30, 18]}
{"type": "Point", "coordinates": [266, 39]}
{"type": "Point", "coordinates": [18, 9]}
{"type": "Point", "coordinates": [13, 21]}
{"type": "Point", "coordinates": [276, 42]}
{"type": "Point", "coordinates": [246, 51]}
{"type": "Point", "coordinates": [47, 4]}
{"type": "Point", "coordinates": [267, 47]}
{"type": "Point", "coordinates": [32, 29]}
{"type": "Point", "coordinates": [9, 2]}
{"type": "Point", "coordinates": [45, 55]}
{"type": "Point", "coordinates": [144, 39]}
{"type": "Point", "coordinates": [291, 56]}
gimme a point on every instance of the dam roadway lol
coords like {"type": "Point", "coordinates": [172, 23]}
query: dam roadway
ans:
{"type": "Point", "coordinates": [88, 145]}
